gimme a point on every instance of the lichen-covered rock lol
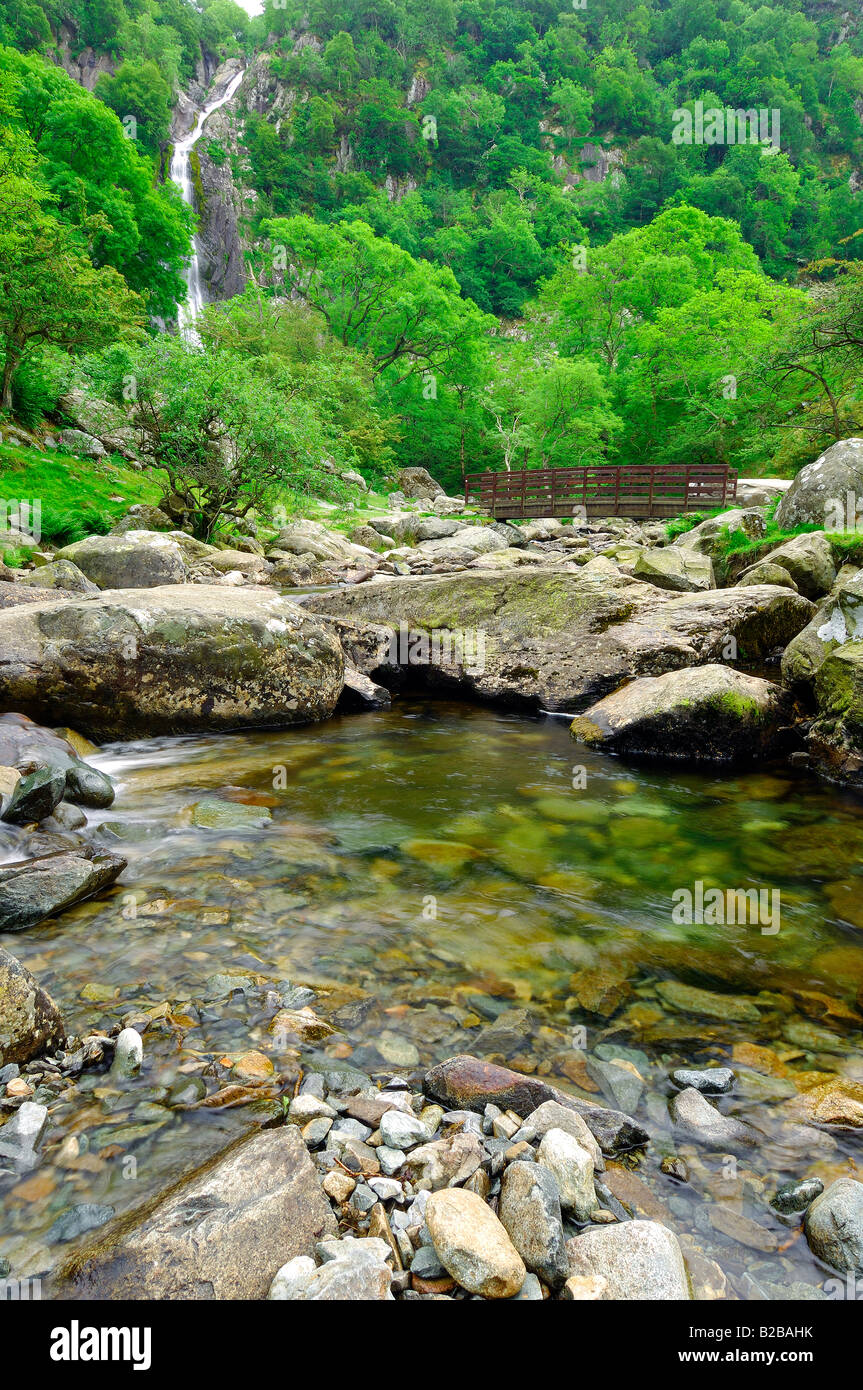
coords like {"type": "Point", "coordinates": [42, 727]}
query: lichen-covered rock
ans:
{"type": "Point", "coordinates": [708, 537]}
{"type": "Point", "coordinates": [766, 572]}
{"type": "Point", "coordinates": [135, 560]}
{"type": "Point", "coordinates": [312, 538]}
{"type": "Point", "coordinates": [154, 661]}
{"type": "Point", "coordinates": [561, 640]}
{"type": "Point", "coordinates": [685, 571]}
{"type": "Point", "coordinates": [838, 620]}
{"type": "Point", "coordinates": [836, 737]}
{"type": "Point", "coordinates": [418, 482]}
{"type": "Point", "coordinates": [59, 574]}
{"type": "Point", "coordinates": [704, 714]}
{"type": "Point", "coordinates": [30, 1022]}
{"type": "Point", "coordinates": [818, 493]}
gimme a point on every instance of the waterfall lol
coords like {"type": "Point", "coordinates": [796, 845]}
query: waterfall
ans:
{"type": "Point", "coordinates": [181, 175]}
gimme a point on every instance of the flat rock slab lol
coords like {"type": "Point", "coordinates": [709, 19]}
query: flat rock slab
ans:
{"type": "Point", "coordinates": [559, 641]}
{"type": "Point", "coordinates": [41, 888]}
{"type": "Point", "coordinates": [141, 662]}
{"type": "Point", "coordinates": [222, 1232]}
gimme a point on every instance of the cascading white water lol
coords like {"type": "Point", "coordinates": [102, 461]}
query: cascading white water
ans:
{"type": "Point", "coordinates": [181, 175]}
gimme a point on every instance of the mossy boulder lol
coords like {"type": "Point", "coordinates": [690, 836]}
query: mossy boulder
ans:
{"type": "Point", "coordinates": [557, 640]}
{"type": "Point", "coordinates": [809, 561]}
{"type": "Point", "coordinates": [59, 574]}
{"type": "Point", "coordinates": [838, 621]}
{"type": "Point", "coordinates": [133, 663]}
{"type": "Point", "coordinates": [766, 572]}
{"type": "Point", "coordinates": [706, 714]}
{"type": "Point", "coordinates": [30, 1021]}
{"type": "Point", "coordinates": [836, 737]}
{"type": "Point", "coordinates": [686, 571]}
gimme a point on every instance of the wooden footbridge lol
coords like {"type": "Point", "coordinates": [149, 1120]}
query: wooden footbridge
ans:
{"type": "Point", "coordinates": [632, 490]}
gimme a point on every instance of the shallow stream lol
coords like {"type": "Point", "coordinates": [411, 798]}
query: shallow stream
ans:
{"type": "Point", "coordinates": [452, 879]}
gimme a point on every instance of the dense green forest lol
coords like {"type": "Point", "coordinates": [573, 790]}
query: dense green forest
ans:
{"type": "Point", "coordinates": [501, 244]}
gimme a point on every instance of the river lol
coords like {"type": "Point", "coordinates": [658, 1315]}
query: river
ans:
{"type": "Point", "coordinates": [450, 879]}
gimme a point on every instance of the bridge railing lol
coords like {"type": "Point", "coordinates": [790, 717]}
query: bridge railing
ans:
{"type": "Point", "coordinates": [633, 490]}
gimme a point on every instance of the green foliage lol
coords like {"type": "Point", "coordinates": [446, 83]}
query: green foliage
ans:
{"type": "Point", "coordinates": [50, 292]}
{"type": "Point", "coordinates": [98, 181]}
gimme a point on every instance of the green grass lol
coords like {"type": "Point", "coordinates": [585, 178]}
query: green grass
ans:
{"type": "Point", "coordinates": [78, 497]}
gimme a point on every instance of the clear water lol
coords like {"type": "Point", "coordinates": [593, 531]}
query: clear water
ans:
{"type": "Point", "coordinates": [430, 872]}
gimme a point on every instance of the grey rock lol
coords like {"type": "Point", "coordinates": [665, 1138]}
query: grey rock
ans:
{"type": "Point", "coordinates": [695, 1117]}
{"type": "Point", "coordinates": [42, 888]}
{"type": "Point", "coordinates": [822, 487]}
{"type": "Point", "coordinates": [712, 1081]}
{"type": "Point", "coordinates": [401, 1131]}
{"type": "Point", "coordinates": [529, 1210]}
{"type": "Point", "coordinates": [571, 1166]}
{"type": "Point", "coordinates": [834, 1226]}
{"type": "Point", "coordinates": [136, 560]}
{"type": "Point", "coordinates": [640, 1260]}
{"type": "Point", "coordinates": [76, 1221]}
{"type": "Point", "coordinates": [148, 661]}
{"type": "Point", "coordinates": [20, 1136]}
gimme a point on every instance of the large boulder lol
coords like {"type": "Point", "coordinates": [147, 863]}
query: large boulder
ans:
{"type": "Point", "coordinates": [759, 492]}
{"type": "Point", "coordinates": [704, 714]}
{"type": "Point", "coordinates": [685, 571]}
{"type": "Point", "coordinates": [638, 1259]}
{"type": "Point", "coordinates": [477, 540]}
{"type": "Point", "coordinates": [28, 747]}
{"type": "Point", "coordinates": [136, 560]}
{"type": "Point", "coordinates": [809, 561]}
{"type": "Point", "coordinates": [42, 888]}
{"type": "Point", "coordinates": [838, 620]}
{"type": "Point", "coordinates": [818, 495]}
{"type": "Point", "coordinates": [222, 1232]}
{"type": "Point", "coordinates": [418, 482]}
{"type": "Point", "coordinates": [312, 538]}
{"type": "Point", "coordinates": [132, 663]}
{"type": "Point", "coordinates": [836, 737]}
{"type": "Point", "coordinates": [30, 1021]}
{"type": "Point", "coordinates": [562, 640]}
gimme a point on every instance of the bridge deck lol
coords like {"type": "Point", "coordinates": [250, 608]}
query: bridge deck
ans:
{"type": "Point", "coordinates": [632, 490]}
